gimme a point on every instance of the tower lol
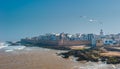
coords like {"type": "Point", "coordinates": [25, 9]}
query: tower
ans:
{"type": "Point", "coordinates": [101, 32]}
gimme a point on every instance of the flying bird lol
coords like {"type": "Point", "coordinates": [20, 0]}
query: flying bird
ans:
{"type": "Point", "coordinates": [91, 20]}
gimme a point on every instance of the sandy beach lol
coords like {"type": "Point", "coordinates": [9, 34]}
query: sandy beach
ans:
{"type": "Point", "coordinates": [33, 58]}
{"type": "Point", "coordinates": [41, 58]}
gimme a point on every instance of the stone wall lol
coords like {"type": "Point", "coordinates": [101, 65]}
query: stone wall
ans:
{"type": "Point", "coordinates": [56, 42]}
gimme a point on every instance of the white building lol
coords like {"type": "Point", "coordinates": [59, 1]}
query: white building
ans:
{"type": "Point", "coordinates": [109, 42]}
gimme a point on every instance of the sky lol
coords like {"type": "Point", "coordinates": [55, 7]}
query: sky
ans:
{"type": "Point", "coordinates": [29, 18]}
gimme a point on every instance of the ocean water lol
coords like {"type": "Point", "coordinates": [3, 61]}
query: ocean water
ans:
{"type": "Point", "coordinates": [3, 45]}
{"type": "Point", "coordinates": [12, 48]}
{"type": "Point", "coordinates": [94, 65]}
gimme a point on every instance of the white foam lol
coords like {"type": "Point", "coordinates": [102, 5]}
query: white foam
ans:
{"type": "Point", "coordinates": [8, 50]}
{"type": "Point", "coordinates": [20, 47]}
{"type": "Point", "coordinates": [3, 47]}
{"type": "Point", "coordinates": [46, 49]}
{"type": "Point", "coordinates": [11, 48]}
{"type": "Point", "coordinates": [93, 65]}
{"type": "Point", "coordinates": [14, 47]}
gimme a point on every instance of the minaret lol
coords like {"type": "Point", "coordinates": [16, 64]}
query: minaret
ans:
{"type": "Point", "coordinates": [101, 32]}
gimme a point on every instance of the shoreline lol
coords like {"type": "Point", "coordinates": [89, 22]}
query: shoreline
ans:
{"type": "Point", "coordinates": [41, 58]}
{"type": "Point", "coordinates": [33, 58]}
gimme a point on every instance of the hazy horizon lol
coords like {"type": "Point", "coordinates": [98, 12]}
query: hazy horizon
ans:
{"type": "Point", "coordinates": [26, 18]}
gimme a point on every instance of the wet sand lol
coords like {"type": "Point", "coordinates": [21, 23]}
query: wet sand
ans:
{"type": "Point", "coordinates": [111, 53]}
{"type": "Point", "coordinates": [39, 58]}
{"type": "Point", "coordinates": [33, 58]}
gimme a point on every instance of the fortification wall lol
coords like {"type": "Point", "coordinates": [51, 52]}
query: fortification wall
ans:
{"type": "Point", "coordinates": [69, 43]}
{"type": "Point", "coordinates": [56, 42]}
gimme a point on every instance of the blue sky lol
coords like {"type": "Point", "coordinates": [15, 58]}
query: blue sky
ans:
{"type": "Point", "coordinates": [27, 18]}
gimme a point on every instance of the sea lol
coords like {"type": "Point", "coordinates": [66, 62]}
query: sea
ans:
{"type": "Point", "coordinates": [7, 48]}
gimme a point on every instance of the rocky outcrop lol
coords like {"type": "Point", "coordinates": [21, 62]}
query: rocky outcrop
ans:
{"type": "Point", "coordinates": [92, 54]}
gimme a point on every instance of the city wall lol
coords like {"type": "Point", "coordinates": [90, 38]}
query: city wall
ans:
{"type": "Point", "coordinates": [56, 42]}
{"type": "Point", "coordinates": [74, 42]}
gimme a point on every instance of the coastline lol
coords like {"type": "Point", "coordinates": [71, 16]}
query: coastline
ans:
{"type": "Point", "coordinates": [33, 58]}
{"type": "Point", "coordinates": [42, 58]}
